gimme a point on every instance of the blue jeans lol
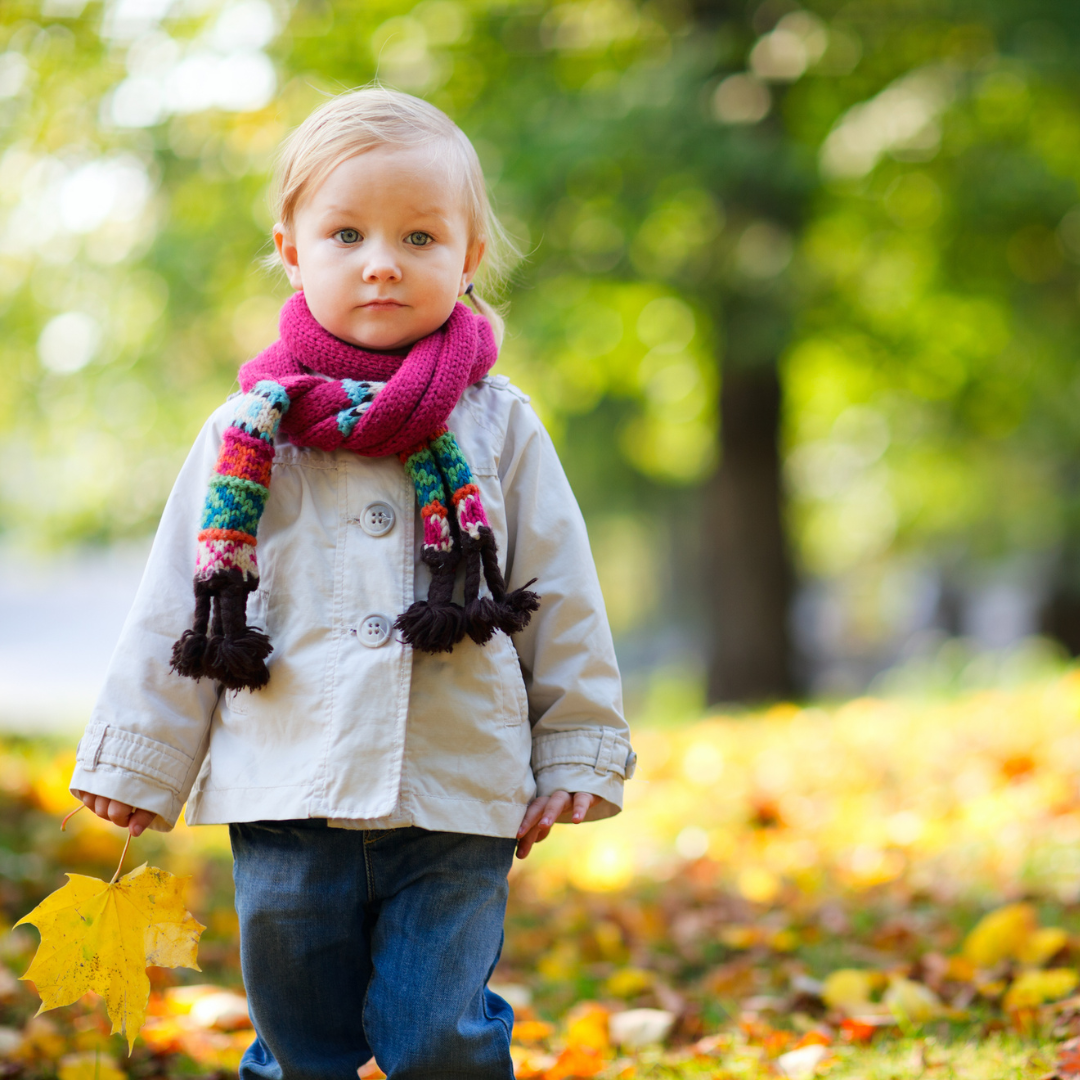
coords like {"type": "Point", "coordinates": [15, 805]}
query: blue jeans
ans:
{"type": "Point", "coordinates": [356, 943]}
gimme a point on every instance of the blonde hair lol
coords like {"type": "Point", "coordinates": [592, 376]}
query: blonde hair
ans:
{"type": "Point", "coordinates": [352, 123]}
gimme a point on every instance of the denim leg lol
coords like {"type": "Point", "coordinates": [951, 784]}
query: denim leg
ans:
{"type": "Point", "coordinates": [442, 900]}
{"type": "Point", "coordinates": [304, 948]}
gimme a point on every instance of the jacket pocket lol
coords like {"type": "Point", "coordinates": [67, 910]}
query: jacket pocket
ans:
{"type": "Point", "coordinates": [515, 701]}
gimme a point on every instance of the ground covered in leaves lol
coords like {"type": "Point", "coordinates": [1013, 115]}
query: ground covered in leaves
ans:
{"type": "Point", "coordinates": [879, 890]}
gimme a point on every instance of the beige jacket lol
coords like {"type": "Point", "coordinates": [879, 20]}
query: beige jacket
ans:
{"type": "Point", "coordinates": [355, 726]}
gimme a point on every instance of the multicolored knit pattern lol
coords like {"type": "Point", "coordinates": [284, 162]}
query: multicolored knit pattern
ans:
{"type": "Point", "coordinates": [360, 395]}
{"type": "Point", "coordinates": [240, 485]}
{"type": "Point", "coordinates": [428, 466]}
{"type": "Point", "coordinates": [329, 395]}
{"type": "Point", "coordinates": [466, 495]}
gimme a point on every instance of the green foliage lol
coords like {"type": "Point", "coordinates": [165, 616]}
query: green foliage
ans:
{"type": "Point", "coordinates": [880, 197]}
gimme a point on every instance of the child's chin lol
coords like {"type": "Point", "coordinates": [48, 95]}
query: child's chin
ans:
{"type": "Point", "coordinates": [379, 339]}
{"type": "Point", "coordinates": [388, 338]}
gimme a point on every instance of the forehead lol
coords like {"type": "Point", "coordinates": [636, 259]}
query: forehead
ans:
{"type": "Point", "coordinates": [416, 179]}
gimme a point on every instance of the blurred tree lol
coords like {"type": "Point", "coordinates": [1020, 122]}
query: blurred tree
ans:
{"type": "Point", "coordinates": [932, 380]}
{"type": "Point", "coordinates": [855, 218]}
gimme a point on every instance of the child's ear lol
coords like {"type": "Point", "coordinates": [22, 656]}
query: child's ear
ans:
{"type": "Point", "coordinates": [286, 249]}
{"type": "Point", "coordinates": [472, 262]}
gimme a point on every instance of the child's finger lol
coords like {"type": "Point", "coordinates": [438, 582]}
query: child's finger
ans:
{"type": "Point", "coordinates": [582, 801]}
{"type": "Point", "coordinates": [525, 844]}
{"type": "Point", "coordinates": [140, 821]}
{"type": "Point", "coordinates": [556, 804]}
{"type": "Point", "coordinates": [532, 816]}
{"type": "Point", "coordinates": [119, 813]}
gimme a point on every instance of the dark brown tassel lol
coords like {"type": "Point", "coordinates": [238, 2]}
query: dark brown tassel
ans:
{"type": "Point", "coordinates": [189, 653]}
{"type": "Point", "coordinates": [481, 619]}
{"type": "Point", "coordinates": [517, 608]}
{"type": "Point", "coordinates": [436, 624]}
{"type": "Point", "coordinates": [481, 613]}
{"type": "Point", "coordinates": [512, 610]}
{"type": "Point", "coordinates": [233, 653]}
{"type": "Point", "coordinates": [240, 658]}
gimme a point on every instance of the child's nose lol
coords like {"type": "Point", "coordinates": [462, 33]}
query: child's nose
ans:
{"type": "Point", "coordinates": [381, 265]}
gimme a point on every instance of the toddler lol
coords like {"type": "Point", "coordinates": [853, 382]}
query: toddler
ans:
{"type": "Point", "coordinates": [415, 676]}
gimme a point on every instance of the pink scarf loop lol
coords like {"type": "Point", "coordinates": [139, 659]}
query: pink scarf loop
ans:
{"type": "Point", "coordinates": [329, 395]}
{"type": "Point", "coordinates": [420, 390]}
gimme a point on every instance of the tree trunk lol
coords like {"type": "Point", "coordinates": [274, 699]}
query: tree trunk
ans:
{"type": "Point", "coordinates": [748, 579]}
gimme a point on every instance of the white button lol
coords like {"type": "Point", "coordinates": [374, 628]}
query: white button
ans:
{"type": "Point", "coordinates": [377, 519]}
{"type": "Point", "coordinates": [374, 631]}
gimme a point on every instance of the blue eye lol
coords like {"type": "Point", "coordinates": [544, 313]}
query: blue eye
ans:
{"type": "Point", "coordinates": [419, 239]}
{"type": "Point", "coordinates": [347, 236]}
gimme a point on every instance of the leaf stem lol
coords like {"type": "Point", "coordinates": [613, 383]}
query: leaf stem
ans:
{"type": "Point", "coordinates": [63, 824]}
{"type": "Point", "coordinates": [122, 856]}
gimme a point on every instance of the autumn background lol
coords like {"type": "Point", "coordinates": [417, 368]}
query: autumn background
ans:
{"type": "Point", "coordinates": [799, 302]}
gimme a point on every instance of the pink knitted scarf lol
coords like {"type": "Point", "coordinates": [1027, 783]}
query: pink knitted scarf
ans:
{"type": "Point", "coordinates": [329, 395]}
{"type": "Point", "coordinates": [420, 391]}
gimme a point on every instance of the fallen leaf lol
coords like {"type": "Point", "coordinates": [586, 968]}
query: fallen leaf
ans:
{"type": "Point", "coordinates": [530, 1064]}
{"type": "Point", "coordinates": [89, 1067]}
{"type": "Point", "coordinates": [10, 1042]}
{"type": "Point", "coordinates": [803, 1062]}
{"type": "Point", "coordinates": [1068, 1060]}
{"type": "Point", "coordinates": [102, 936]}
{"type": "Point", "coordinates": [587, 1027]}
{"type": "Point", "coordinates": [640, 1027]}
{"type": "Point", "coordinates": [629, 982]}
{"type": "Point", "coordinates": [41, 1041]}
{"type": "Point", "coordinates": [531, 1031]}
{"type": "Point", "coordinates": [960, 969]}
{"type": "Point", "coordinates": [224, 1010]}
{"type": "Point", "coordinates": [1033, 988]}
{"type": "Point", "coordinates": [1001, 935]}
{"type": "Point", "coordinates": [911, 1002]}
{"type": "Point", "coordinates": [850, 989]}
{"type": "Point", "coordinates": [576, 1061]}
{"type": "Point", "coordinates": [1042, 946]}
{"type": "Point", "coordinates": [741, 937]}
{"type": "Point", "coordinates": [813, 1038]}
{"type": "Point", "coordinates": [862, 1029]}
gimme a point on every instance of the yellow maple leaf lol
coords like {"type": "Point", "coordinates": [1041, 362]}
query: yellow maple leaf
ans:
{"type": "Point", "coordinates": [101, 936]}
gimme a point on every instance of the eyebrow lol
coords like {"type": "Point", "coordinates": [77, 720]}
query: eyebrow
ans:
{"type": "Point", "coordinates": [421, 212]}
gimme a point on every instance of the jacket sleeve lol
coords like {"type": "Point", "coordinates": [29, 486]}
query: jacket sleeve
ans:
{"type": "Point", "coordinates": [148, 732]}
{"type": "Point", "coordinates": [581, 741]}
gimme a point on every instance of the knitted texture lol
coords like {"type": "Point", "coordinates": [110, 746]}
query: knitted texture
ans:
{"type": "Point", "coordinates": [327, 394]}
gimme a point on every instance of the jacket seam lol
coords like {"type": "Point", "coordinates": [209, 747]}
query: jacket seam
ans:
{"type": "Point", "coordinates": [482, 420]}
{"type": "Point", "coordinates": [137, 768]}
{"type": "Point", "coordinates": [106, 733]}
{"type": "Point", "coordinates": [293, 463]}
{"type": "Point", "coordinates": [454, 798]}
{"type": "Point", "coordinates": [408, 586]}
{"type": "Point", "coordinates": [337, 636]}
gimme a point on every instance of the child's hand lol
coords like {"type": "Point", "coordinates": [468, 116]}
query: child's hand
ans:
{"type": "Point", "coordinates": [545, 811]}
{"type": "Point", "coordinates": [117, 812]}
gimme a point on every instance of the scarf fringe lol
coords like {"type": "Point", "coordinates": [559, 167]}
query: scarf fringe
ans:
{"type": "Point", "coordinates": [437, 624]}
{"type": "Point", "coordinates": [221, 645]}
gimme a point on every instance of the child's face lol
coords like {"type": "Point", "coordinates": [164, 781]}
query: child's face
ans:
{"type": "Point", "coordinates": [381, 248]}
